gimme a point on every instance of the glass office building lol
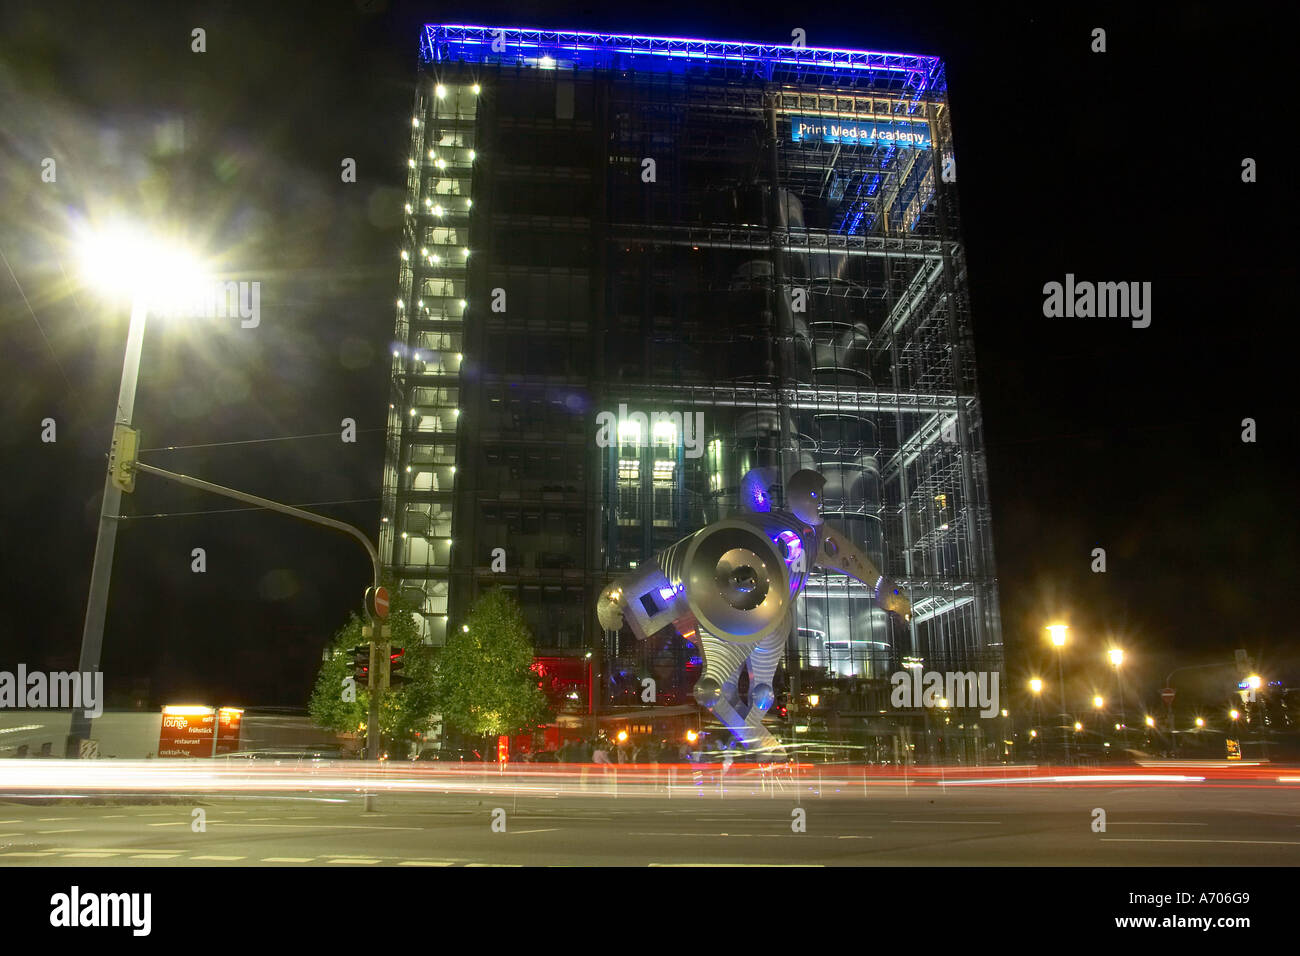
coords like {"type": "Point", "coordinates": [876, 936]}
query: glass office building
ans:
{"type": "Point", "coordinates": [632, 269]}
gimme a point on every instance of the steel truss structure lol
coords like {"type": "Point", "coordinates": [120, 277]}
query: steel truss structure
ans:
{"type": "Point", "coordinates": [806, 294]}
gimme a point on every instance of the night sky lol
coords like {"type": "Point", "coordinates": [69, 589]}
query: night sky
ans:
{"type": "Point", "coordinates": [1123, 166]}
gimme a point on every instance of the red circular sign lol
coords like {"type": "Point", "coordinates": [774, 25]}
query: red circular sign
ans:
{"type": "Point", "coordinates": [1167, 694]}
{"type": "Point", "coordinates": [380, 603]}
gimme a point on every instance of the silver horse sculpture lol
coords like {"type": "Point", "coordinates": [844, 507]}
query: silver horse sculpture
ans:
{"type": "Point", "coordinates": [733, 585]}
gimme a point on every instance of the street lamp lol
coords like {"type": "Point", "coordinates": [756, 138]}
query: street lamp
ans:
{"type": "Point", "coordinates": [1057, 633]}
{"type": "Point", "coordinates": [1036, 688]}
{"type": "Point", "coordinates": [1116, 655]}
{"type": "Point", "coordinates": [123, 261]}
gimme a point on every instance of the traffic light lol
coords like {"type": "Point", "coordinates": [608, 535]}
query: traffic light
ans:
{"type": "Point", "coordinates": [361, 665]}
{"type": "Point", "coordinates": [396, 660]}
{"type": "Point", "coordinates": [121, 457]}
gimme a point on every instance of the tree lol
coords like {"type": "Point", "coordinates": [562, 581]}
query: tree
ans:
{"type": "Point", "coordinates": [485, 685]}
{"type": "Point", "coordinates": [405, 711]}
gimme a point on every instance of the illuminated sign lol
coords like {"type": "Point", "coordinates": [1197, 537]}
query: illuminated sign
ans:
{"type": "Point", "coordinates": [187, 732]}
{"type": "Point", "coordinates": [229, 720]}
{"type": "Point", "coordinates": [828, 129]}
{"type": "Point", "coordinates": [197, 731]}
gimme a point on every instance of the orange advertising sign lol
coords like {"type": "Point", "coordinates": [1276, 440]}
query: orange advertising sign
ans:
{"type": "Point", "coordinates": [229, 720]}
{"type": "Point", "coordinates": [187, 732]}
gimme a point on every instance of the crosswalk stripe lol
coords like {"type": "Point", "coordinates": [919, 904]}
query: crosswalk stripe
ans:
{"type": "Point", "coordinates": [426, 863]}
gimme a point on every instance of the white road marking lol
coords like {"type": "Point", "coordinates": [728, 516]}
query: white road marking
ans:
{"type": "Point", "coordinates": [783, 865]}
{"type": "Point", "coordinates": [1252, 842]}
{"type": "Point", "coordinates": [217, 858]}
{"type": "Point", "coordinates": [301, 826]}
{"type": "Point", "coordinates": [978, 823]}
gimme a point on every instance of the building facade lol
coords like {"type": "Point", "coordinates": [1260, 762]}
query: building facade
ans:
{"type": "Point", "coordinates": [632, 269]}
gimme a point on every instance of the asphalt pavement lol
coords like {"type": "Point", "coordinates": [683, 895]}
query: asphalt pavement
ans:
{"type": "Point", "coordinates": [1143, 826]}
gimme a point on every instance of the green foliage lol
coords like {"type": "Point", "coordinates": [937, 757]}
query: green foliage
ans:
{"type": "Point", "coordinates": [484, 684]}
{"type": "Point", "coordinates": [403, 711]}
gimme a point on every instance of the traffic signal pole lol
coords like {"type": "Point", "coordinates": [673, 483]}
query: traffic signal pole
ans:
{"type": "Point", "coordinates": [379, 676]}
{"type": "Point", "coordinates": [270, 505]}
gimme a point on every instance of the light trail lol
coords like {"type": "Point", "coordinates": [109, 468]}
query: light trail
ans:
{"type": "Point", "coordinates": [72, 779]}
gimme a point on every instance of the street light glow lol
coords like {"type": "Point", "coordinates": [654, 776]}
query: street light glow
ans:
{"type": "Point", "coordinates": [121, 259]}
{"type": "Point", "coordinates": [1116, 656]}
{"type": "Point", "coordinates": [1057, 632]}
{"type": "Point", "coordinates": [1036, 685]}
{"type": "Point", "coordinates": [1098, 702]}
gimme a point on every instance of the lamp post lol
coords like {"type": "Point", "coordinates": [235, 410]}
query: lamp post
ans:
{"type": "Point", "coordinates": [1057, 634]}
{"type": "Point", "coordinates": [121, 261]}
{"type": "Point", "coordinates": [1036, 688]}
{"type": "Point", "coordinates": [1116, 655]}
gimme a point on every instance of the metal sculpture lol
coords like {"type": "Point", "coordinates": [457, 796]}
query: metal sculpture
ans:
{"type": "Point", "coordinates": [732, 586]}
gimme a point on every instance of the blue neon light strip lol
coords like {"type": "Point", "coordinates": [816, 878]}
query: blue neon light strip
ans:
{"type": "Point", "coordinates": [575, 50]}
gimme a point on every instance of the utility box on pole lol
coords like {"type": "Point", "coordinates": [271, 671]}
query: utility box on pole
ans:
{"type": "Point", "coordinates": [121, 457]}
